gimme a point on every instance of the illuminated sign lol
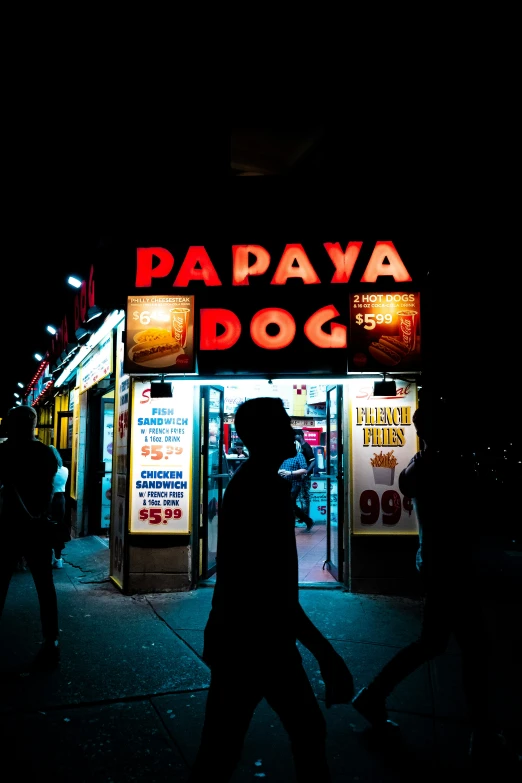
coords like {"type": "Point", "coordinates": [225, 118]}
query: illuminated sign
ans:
{"type": "Point", "coordinates": [159, 334]}
{"type": "Point", "coordinates": [161, 460]}
{"type": "Point", "coordinates": [98, 365]}
{"type": "Point", "coordinates": [254, 260]}
{"type": "Point", "coordinates": [385, 331]}
{"type": "Point", "coordinates": [383, 441]}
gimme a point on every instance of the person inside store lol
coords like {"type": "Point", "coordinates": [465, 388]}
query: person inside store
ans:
{"type": "Point", "coordinates": [294, 470]}
{"type": "Point", "coordinates": [308, 453]}
{"type": "Point", "coordinates": [238, 450]}
{"type": "Point", "coordinates": [61, 532]}
{"type": "Point", "coordinates": [27, 469]}
{"type": "Point", "coordinates": [251, 633]}
{"type": "Point", "coordinates": [447, 513]}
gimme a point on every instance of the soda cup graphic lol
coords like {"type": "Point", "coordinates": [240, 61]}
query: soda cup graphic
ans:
{"type": "Point", "coordinates": [407, 327]}
{"type": "Point", "coordinates": [179, 322]}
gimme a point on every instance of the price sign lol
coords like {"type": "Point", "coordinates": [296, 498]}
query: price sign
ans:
{"type": "Point", "coordinates": [159, 334]}
{"type": "Point", "coordinates": [385, 332]}
{"type": "Point", "coordinates": [158, 516]}
{"type": "Point", "coordinates": [161, 460]}
{"type": "Point", "coordinates": [383, 441]}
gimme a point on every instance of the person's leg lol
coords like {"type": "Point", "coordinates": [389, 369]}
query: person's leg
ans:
{"type": "Point", "coordinates": [289, 692]}
{"type": "Point", "coordinates": [232, 698]}
{"type": "Point", "coordinates": [58, 514]}
{"type": "Point", "coordinates": [39, 561]}
{"type": "Point", "coordinates": [305, 496]}
{"type": "Point", "coordinates": [8, 561]}
{"type": "Point", "coordinates": [299, 512]}
{"type": "Point", "coordinates": [433, 640]}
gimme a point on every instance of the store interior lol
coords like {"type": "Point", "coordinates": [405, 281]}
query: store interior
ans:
{"type": "Point", "coordinates": [305, 403]}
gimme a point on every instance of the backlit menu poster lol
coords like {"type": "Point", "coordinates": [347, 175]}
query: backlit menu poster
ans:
{"type": "Point", "coordinates": [385, 332]}
{"type": "Point", "coordinates": [159, 335]}
{"type": "Point", "coordinates": [383, 440]}
{"type": "Point", "coordinates": [161, 460]}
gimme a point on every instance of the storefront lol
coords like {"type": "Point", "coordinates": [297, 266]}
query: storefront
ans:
{"type": "Point", "coordinates": [165, 371]}
{"type": "Point", "coordinates": [183, 367]}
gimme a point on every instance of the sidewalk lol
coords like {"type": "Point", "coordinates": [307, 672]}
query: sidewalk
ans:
{"type": "Point", "coordinates": [127, 703]}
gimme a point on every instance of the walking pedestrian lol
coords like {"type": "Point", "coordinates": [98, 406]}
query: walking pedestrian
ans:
{"type": "Point", "coordinates": [294, 470]}
{"type": "Point", "coordinates": [27, 469]}
{"type": "Point", "coordinates": [60, 530]}
{"type": "Point", "coordinates": [442, 486]}
{"type": "Point", "coordinates": [252, 630]}
{"type": "Point", "coordinates": [308, 453]}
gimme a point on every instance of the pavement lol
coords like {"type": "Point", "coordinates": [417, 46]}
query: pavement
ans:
{"type": "Point", "coordinates": [127, 702]}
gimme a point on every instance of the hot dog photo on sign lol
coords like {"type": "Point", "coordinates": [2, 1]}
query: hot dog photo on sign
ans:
{"type": "Point", "coordinates": [159, 334]}
{"type": "Point", "coordinates": [384, 331]}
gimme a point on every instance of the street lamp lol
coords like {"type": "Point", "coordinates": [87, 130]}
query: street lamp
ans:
{"type": "Point", "coordinates": [51, 329]}
{"type": "Point", "coordinates": [74, 281]}
{"type": "Point", "coordinates": [38, 357]}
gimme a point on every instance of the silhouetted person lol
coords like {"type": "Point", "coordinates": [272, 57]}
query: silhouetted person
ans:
{"type": "Point", "coordinates": [308, 453]}
{"type": "Point", "coordinates": [237, 450]}
{"type": "Point", "coordinates": [27, 469]}
{"type": "Point", "coordinates": [61, 533]}
{"type": "Point", "coordinates": [294, 470]}
{"type": "Point", "coordinates": [250, 637]}
{"type": "Point", "coordinates": [442, 484]}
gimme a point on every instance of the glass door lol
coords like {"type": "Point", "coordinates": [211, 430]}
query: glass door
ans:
{"type": "Point", "coordinates": [107, 428]}
{"type": "Point", "coordinates": [334, 482]}
{"type": "Point", "coordinates": [214, 476]}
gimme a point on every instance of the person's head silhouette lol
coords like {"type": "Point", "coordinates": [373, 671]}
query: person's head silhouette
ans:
{"type": "Point", "coordinates": [252, 415]}
{"type": "Point", "coordinates": [21, 421]}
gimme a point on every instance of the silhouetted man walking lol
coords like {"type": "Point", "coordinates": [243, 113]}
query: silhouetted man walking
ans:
{"type": "Point", "coordinates": [446, 497]}
{"type": "Point", "coordinates": [27, 468]}
{"type": "Point", "coordinates": [250, 637]}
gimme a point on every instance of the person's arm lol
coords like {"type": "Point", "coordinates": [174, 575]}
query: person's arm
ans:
{"type": "Point", "coordinates": [297, 471]}
{"type": "Point", "coordinates": [409, 477]}
{"type": "Point", "coordinates": [338, 681]}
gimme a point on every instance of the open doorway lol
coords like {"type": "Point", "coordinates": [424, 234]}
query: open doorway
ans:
{"type": "Point", "coordinates": [313, 408]}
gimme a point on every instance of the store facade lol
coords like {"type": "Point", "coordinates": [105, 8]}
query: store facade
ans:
{"type": "Point", "coordinates": [146, 405]}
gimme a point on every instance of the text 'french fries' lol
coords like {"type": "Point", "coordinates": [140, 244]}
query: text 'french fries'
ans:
{"type": "Point", "coordinates": [384, 460]}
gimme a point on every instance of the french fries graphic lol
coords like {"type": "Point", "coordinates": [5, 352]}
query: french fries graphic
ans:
{"type": "Point", "coordinates": [384, 460]}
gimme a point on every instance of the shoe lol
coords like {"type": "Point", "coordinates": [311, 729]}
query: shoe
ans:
{"type": "Point", "coordinates": [373, 709]}
{"type": "Point", "coordinates": [493, 751]}
{"type": "Point", "coordinates": [309, 523]}
{"type": "Point", "coordinates": [58, 563]}
{"type": "Point", "coordinates": [48, 658]}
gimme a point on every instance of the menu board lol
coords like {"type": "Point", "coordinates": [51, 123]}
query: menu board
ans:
{"type": "Point", "coordinates": [161, 460]}
{"type": "Point", "coordinates": [383, 441]}
{"type": "Point", "coordinates": [385, 332]}
{"type": "Point", "coordinates": [98, 365]}
{"type": "Point", "coordinates": [159, 334]}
